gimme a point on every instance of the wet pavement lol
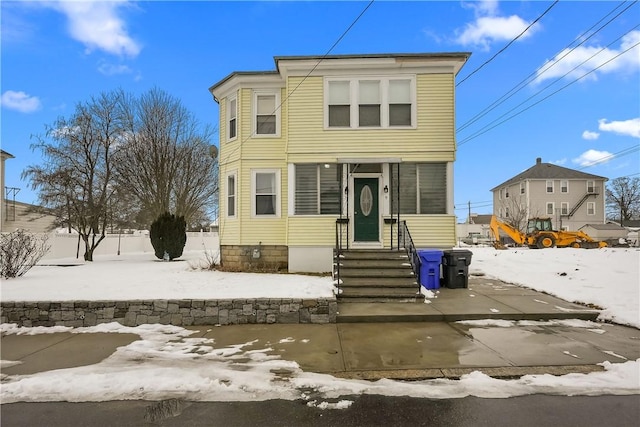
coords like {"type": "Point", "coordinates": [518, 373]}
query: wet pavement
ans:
{"type": "Point", "coordinates": [527, 332]}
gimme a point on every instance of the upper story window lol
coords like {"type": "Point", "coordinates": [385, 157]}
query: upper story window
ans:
{"type": "Point", "coordinates": [591, 208]}
{"type": "Point", "coordinates": [370, 102]}
{"type": "Point", "coordinates": [549, 186]}
{"type": "Point", "coordinates": [232, 118]}
{"type": "Point", "coordinates": [550, 208]}
{"type": "Point", "coordinates": [564, 186]}
{"type": "Point", "coordinates": [591, 187]}
{"type": "Point", "coordinates": [506, 193]}
{"type": "Point", "coordinates": [522, 188]}
{"type": "Point", "coordinates": [564, 208]}
{"type": "Point", "coordinates": [266, 110]}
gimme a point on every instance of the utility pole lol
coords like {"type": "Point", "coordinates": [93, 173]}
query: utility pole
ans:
{"type": "Point", "coordinates": [469, 217]}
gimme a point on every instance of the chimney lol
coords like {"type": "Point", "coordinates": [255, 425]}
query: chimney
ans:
{"type": "Point", "coordinates": [538, 160]}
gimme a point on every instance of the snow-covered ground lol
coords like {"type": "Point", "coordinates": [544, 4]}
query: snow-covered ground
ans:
{"type": "Point", "coordinates": [177, 366]}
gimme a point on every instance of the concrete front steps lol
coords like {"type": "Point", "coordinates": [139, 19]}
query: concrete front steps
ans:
{"type": "Point", "coordinates": [377, 276]}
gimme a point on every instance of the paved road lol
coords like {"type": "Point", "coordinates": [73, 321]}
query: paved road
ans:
{"type": "Point", "coordinates": [533, 411]}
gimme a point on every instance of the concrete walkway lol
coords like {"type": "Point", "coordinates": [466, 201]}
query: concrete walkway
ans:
{"type": "Point", "coordinates": [408, 341]}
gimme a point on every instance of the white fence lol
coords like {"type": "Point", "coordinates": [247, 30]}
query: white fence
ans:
{"type": "Point", "coordinates": [66, 245]}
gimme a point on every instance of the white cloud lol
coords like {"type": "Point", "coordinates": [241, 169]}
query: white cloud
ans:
{"type": "Point", "coordinates": [590, 136]}
{"type": "Point", "coordinates": [575, 63]}
{"type": "Point", "coordinates": [626, 127]}
{"type": "Point", "coordinates": [113, 69]}
{"type": "Point", "coordinates": [489, 27]}
{"type": "Point", "coordinates": [20, 101]}
{"type": "Point", "coordinates": [591, 157]}
{"type": "Point", "coordinates": [559, 162]}
{"type": "Point", "coordinates": [98, 25]}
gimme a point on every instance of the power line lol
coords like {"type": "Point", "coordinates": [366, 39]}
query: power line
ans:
{"type": "Point", "coordinates": [489, 126]}
{"type": "Point", "coordinates": [344, 33]}
{"type": "Point", "coordinates": [508, 44]}
{"type": "Point", "coordinates": [626, 151]}
{"type": "Point", "coordinates": [546, 67]}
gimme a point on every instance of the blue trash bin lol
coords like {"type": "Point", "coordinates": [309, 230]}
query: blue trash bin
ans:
{"type": "Point", "coordinates": [430, 260]}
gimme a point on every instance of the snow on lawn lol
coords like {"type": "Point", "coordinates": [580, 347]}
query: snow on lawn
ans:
{"type": "Point", "coordinates": [608, 277]}
{"type": "Point", "coordinates": [142, 276]}
{"type": "Point", "coordinates": [165, 363]}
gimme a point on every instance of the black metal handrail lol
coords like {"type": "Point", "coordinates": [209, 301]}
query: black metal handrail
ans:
{"type": "Point", "coordinates": [404, 238]}
{"type": "Point", "coordinates": [340, 224]}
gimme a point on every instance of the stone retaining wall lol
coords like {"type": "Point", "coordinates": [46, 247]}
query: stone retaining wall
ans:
{"type": "Point", "coordinates": [169, 312]}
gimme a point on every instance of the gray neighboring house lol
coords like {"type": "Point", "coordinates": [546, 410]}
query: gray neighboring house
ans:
{"type": "Point", "coordinates": [569, 197]}
{"type": "Point", "coordinates": [605, 231]}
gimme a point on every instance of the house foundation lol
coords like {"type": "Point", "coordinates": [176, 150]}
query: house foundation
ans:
{"type": "Point", "coordinates": [254, 257]}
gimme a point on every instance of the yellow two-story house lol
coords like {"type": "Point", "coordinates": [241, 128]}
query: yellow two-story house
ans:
{"type": "Point", "coordinates": [336, 150]}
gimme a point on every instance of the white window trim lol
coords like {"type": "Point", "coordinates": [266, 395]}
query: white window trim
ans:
{"type": "Point", "coordinates": [384, 101]}
{"type": "Point", "coordinates": [564, 208]}
{"type": "Point", "coordinates": [546, 186]}
{"type": "Point", "coordinates": [522, 189]}
{"type": "Point", "coordinates": [254, 112]}
{"type": "Point", "coordinates": [253, 192]}
{"type": "Point", "coordinates": [233, 174]}
{"type": "Point", "coordinates": [567, 186]}
{"type": "Point", "coordinates": [229, 100]}
{"type": "Point", "coordinates": [593, 186]}
{"type": "Point", "coordinates": [553, 208]}
{"type": "Point", "coordinates": [594, 208]}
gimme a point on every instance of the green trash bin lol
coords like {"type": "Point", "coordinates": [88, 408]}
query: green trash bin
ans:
{"type": "Point", "coordinates": [455, 268]}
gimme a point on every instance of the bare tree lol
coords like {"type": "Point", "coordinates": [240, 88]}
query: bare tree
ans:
{"type": "Point", "coordinates": [165, 161]}
{"type": "Point", "coordinates": [623, 199]}
{"type": "Point", "coordinates": [75, 181]}
{"type": "Point", "coordinates": [516, 212]}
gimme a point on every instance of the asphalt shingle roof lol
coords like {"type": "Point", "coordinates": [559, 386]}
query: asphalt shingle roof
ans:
{"type": "Point", "coordinates": [548, 171]}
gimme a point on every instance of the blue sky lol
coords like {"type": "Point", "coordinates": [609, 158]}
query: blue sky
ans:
{"type": "Point", "coordinates": [56, 54]}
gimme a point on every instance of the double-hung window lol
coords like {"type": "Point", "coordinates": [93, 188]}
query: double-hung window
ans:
{"type": "Point", "coordinates": [564, 208]}
{"type": "Point", "coordinates": [232, 118]}
{"type": "Point", "coordinates": [422, 188]}
{"type": "Point", "coordinates": [369, 103]}
{"type": "Point", "coordinates": [591, 208]}
{"type": "Point", "coordinates": [549, 186]}
{"type": "Point", "coordinates": [266, 113]}
{"type": "Point", "coordinates": [317, 189]}
{"type": "Point", "coordinates": [231, 195]}
{"type": "Point", "coordinates": [265, 192]}
{"type": "Point", "coordinates": [591, 187]}
{"type": "Point", "coordinates": [564, 186]}
{"type": "Point", "coordinates": [339, 106]}
{"type": "Point", "coordinates": [522, 188]}
{"type": "Point", "coordinates": [366, 102]}
{"type": "Point", "coordinates": [550, 208]}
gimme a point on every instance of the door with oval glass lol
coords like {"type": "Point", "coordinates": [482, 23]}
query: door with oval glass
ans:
{"type": "Point", "coordinates": [365, 210]}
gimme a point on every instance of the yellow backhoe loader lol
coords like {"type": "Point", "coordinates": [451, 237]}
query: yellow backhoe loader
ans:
{"type": "Point", "coordinates": [540, 234]}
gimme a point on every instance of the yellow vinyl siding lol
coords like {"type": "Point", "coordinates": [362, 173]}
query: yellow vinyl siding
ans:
{"type": "Point", "coordinates": [269, 231]}
{"type": "Point", "coordinates": [432, 139]}
{"type": "Point", "coordinates": [260, 147]}
{"type": "Point", "coordinates": [427, 231]}
{"type": "Point", "coordinates": [312, 230]}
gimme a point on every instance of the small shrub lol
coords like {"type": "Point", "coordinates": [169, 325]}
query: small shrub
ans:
{"type": "Point", "coordinates": [19, 251]}
{"type": "Point", "coordinates": [168, 236]}
{"type": "Point", "coordinates": [210, 262]}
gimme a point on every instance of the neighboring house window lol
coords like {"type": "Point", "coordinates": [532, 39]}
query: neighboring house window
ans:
{"type": "Point", "coordinates": [522, 188]}
{"type": "Point", "coordinates": [564, 186]}
{"type": "Point", "coordinates": [317, 189]}
{"type": "Point", "coordinates": [370, 102]}
{"type": "Point", "coordinates": [591, 187]}
{"type": "Point", "coordinates": [231, 195]}
{"type": "Point", "coordinates": [423, 188]}
{"type": "Point", "coordinates": [264, 192]}
{"type": "Point", "coordinates": [591, 208]}
{"type": "Point", "coordinates": [339, 104]}
{"type": "Point", "coordinates": [500, 195]}
{"type": "Point", "coordinates": [564, 208]}
{"type": "Point", "coordinates": [550, 208]}
{"type": "Point", "coordinates": [506, 212]}
{"type": "Point", "coordinates": [506, 193]}
{"type": "Point", "coordinates": [232, 118]}
{"type": "Point", "coordinates": [549, 186]}
{"type": "Point", "coordinates": [266, 110]}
